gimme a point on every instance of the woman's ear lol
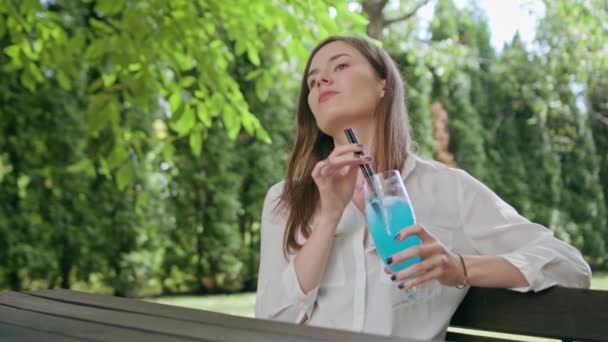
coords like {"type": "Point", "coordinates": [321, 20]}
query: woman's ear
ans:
{"type": "Point", "coordinates": [382, 85]}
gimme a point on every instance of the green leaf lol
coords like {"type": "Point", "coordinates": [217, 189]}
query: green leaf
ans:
{"type": "Point", "coordinates": [33, 68]}
{"type": "Point", "coordinates": [95, 85]}
{"type": "Point", "coordinates": [196, 142]}
{"type": "Point", "coordinates": [100, 25]}
{"type": "Point", "coordinates": [134, 67]}
{"type": "Point", "coordinates": [168, 152]}
{"type": "Point", "coordinates": [84, 166]}
{"type": "Point", "coordinates": [252, 53]}
{"type": "Point", "coordinates": [108, 79]}
{"type": "Point", "coordinates": [187, 81]}
{"type": "Point", "coordinates": [14, 51]}
{"type": "Point", "coordinates": [186, 122]}
{"type": "Point", "coordinates": [64, 81]}
{"type": "Point", "coordinates": [28, 82]}
{"type": "Point", "coordinates": [118, 156]}
{"type": "Point", "coordinates": [124, 175]}
{"type": "Point", "coordinates": [22, 183]}
{"type": "Point", "coordinates": [175, 101]}
{"type": "Point", "coordinates": [96, 48]}
{"type": "Point", "coordinates": [263, 135]}
{"type": "Point", "coordinates": [250, 122]}
{"type": "Point", "coordinates": [232, 122]}
{"type": "Point", "coordinates": [109, 7]}
{"type": "Point", "coordinates": [28, 51]}
{"type": "Point", "coordinates": [203, 116]}
{"type": "Point", "coordinates": [253, 74]}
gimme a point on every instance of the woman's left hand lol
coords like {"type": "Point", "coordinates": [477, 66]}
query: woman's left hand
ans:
{"type": "Point", "coordinates": [437, 261]}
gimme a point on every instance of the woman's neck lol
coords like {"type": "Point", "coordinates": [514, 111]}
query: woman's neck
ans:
{"type": "Point", "coordinates": [365, 134]}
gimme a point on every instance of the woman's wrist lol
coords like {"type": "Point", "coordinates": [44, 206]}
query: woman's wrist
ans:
{"type": "Point", "coordinates": [330, 219]}
{"type": "Point", "coordinates": [464, 273]}
{"type": "Point", "coordinates": [493, 271]}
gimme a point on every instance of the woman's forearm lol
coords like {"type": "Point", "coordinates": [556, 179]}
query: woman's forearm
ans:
{"type": "Point", "coordinates": [311, 260]}
{"type": "Point", "coordinates": [493, 271]}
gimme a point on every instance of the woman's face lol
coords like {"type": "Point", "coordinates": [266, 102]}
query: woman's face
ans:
{"type": "Point", "coordinates": [343, 88]}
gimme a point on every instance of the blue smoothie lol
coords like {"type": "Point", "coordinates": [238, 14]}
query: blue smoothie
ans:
{"type": "Point", "coordinates": [398, 214]}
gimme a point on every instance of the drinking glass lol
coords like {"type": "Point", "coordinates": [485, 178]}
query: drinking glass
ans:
{"type": "Point", "coordinates": [388, 210]}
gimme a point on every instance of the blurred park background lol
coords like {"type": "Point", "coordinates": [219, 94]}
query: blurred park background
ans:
{"type": "Point", "coordinates": [138, 137]}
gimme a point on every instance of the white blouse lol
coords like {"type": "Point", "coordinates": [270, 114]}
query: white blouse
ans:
{"type": "Point", "coordinates": [355, 294]}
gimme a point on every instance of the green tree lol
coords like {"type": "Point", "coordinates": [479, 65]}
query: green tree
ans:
{"type": "Point", "coordinates": [454, 89]}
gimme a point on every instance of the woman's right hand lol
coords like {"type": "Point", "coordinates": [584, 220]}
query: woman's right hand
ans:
{"type": "Point", "coordinates": [336, 177]}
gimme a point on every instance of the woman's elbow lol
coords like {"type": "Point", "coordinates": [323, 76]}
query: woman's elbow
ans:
{"type": "Point", "coordinates": [585, 277]}
{"type": "Point", "coordinates": [580, 276]}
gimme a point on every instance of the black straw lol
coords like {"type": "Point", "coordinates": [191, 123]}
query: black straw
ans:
{"type": "Point", "coordinates": [367, 169]}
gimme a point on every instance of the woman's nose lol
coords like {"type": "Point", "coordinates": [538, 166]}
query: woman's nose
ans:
{"type": "Point", "coordinates": [325, 79]}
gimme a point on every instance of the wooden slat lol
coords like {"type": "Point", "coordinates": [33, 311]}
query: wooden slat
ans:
{"type": "Point", "coordinates": [555, 313]}
{"type": "Point", "coordinates": [68, 328]}
{"type": "Point", "coordinates": [15, 333]}
{"type": "Point", "coordinates": [148, 317]}
{"type": "Point", "coordinates": [132, 321]}
{"type": "Point", "coordinates": [207, 317]}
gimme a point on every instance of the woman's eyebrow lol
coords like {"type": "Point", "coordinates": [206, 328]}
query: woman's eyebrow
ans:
{"type": "Point", "coordinates": [332, 58]}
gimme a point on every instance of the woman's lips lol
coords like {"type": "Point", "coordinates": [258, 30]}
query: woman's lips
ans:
{"type": "Point", "coordinates": [326, 95]}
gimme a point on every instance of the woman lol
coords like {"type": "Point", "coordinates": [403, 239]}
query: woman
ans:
{"type": "Point", "coordinates": [318, 263]}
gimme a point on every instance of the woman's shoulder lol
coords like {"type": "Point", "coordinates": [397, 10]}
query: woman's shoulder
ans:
{"type": "Point", "coordinates": [273, 195]}
{"type": "Point", "coordinates": [271, 212]}
{"type": "Point", "coordinates": [440, 173]}
{"type": "Point", "coordinates": [434, 168]}
{"type": "Point", "coordinates": [275, 190]}
{"type": "Point", "coordinates": [448, 175]}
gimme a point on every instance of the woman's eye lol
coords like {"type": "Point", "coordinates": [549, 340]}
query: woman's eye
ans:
{"type": "Point", "coordinates": [341, 66]}
{"type": "Point", "coordinates": [311, 84]}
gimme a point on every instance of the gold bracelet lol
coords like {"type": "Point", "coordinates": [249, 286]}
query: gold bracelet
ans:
{"type": "Point", "coordinates": [465, 282]}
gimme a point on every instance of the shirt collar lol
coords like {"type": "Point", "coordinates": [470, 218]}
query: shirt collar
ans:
{"type": "Point", "coordinates": [409, 165]}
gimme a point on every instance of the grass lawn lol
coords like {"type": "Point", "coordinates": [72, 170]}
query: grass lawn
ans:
{"type": "Point", "coordinates": [237, 304]}
{"type": "Point", "coordinates": [600, 281]}
{"type": "Point", "coordinates": [242, 305]}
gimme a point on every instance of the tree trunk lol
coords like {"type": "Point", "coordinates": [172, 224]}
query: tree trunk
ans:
{"type": "Point", "coordinates": [200, 219]}
{"type": "Point", "coordinates": [14, 280]}
{"type": "Point", "coordinates": [377, 20]}
{"type": "Point", "coordinates": [373, 9]}
{"type": "Point", "coordinates": [117, 273]}
{"type": "Point", "coordinates": [245, 223]}
{"type": "Point", "coordinates": [65, 267]}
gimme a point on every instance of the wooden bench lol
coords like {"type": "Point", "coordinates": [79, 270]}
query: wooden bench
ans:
{"type": "Point", "coordinates": [560, 313]}
{"type": "Point", "coordinates": [62, 315]}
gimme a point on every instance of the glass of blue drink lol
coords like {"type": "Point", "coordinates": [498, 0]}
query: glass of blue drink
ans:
{"type": "Point", "coordinates": [388, 210]}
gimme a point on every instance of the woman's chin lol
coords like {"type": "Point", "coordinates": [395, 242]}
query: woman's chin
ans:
{"type": "Point", "coordinates": [335, 123]}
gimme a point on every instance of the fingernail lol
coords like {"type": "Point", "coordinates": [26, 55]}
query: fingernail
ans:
{"type": "Point", "coordinates": [360, 145]}
{"type": "Point", "coordinates": [397, 236]}
{"type": "Point", "coordinates": [401, 286]}
{"type": "Point", "coordinates": [368, 158]}
{"type": "Point", "coordinates": [393, 277]}
{"type": "Point", "coordinates": [389, 260]}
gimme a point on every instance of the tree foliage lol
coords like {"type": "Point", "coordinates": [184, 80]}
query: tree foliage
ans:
{"type": "Point", "coordinates": [138, 138]}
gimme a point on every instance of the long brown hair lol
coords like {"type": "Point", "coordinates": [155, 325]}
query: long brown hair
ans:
{"type": "Point", "coordinates": [392, 138]}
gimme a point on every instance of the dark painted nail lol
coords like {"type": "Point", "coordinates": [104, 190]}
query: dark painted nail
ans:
{"type": "Point", "coordinates": [401, 286]}
{"type": "Point", "coordinates": [397, 236]}
{"type": "Point", "coordinates": [393, 277]}
{"type": "Point", "coordinates": [389, 260]}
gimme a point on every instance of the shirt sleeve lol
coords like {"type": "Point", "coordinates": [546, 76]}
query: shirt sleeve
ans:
{"type": "Point", "coordinates": [495, 228]}
{"type": "Point", "coordinates": [279, 294]}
